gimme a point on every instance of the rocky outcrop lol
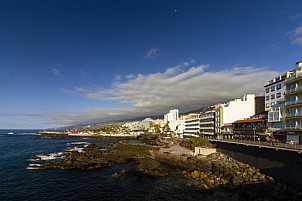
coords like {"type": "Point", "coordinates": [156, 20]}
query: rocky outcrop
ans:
{"type": "Point", "coordinates": [152, 167]}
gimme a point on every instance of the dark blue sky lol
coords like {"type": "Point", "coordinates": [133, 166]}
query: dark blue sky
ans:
{"type": "Point", "coordinates": [79, 57]}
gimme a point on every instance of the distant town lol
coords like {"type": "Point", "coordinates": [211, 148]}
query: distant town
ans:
{"type": "Point", "coordinates": [275, 117]}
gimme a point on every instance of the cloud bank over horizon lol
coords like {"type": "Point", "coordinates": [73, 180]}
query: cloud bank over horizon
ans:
{"type": "Point", "coordinates": [186, 86]}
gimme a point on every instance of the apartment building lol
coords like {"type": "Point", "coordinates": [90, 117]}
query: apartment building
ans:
{"type": "Point", "coordinates": [275, 91]}
{"type": "Point", "coordinates": [171, 116]}
{"type": "Point", "coordinates": [207, 120]}
{"type": "Point", "coordinates": [236, 109]}
{"type": "Point", "coordinates": [191, 125]}
{"type": "Point", "coordinates": [293, 104]}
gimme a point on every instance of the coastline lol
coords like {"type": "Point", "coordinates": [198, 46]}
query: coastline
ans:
{"type": "Point", "coordinates": [214, 172]}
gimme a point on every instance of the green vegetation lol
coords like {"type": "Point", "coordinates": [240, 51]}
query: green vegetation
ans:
{"type": "Point", "coordinates": [198, 142]}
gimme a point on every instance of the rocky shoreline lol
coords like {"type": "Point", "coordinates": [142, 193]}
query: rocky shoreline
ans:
{"type": "Point", "coordinates": [216, 172]}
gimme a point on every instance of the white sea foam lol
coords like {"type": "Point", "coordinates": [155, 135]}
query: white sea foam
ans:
{"type": "Point", "coordinates": [72, 143]}
{"type": "Point", "coordinates": [33, 166]}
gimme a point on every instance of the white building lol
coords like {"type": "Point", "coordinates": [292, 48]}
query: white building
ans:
{"type": "Point", "coordinates": [177, 127]}
{"type": "Point", "coordinates": [171, 116]}
{"type": "Point", "coordinates": [192, 125]}
{"type": "Point", "coordinates": [275, 91]}
{"type": "Point", "coordinates": [237, 109]}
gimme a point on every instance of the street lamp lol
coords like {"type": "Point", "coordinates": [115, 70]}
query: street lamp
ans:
{"type": "Point", "coordinates": [254, 135]}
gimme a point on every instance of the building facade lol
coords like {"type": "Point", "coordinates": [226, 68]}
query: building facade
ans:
{"type": "Point", "coordinates": [192, 126]}
{"type": "Point", "coordinates": [207, 121]}
{"type": "Point", "coordinates": [237, 109]}
{"type": "Point", "coordinates": [293, 104]}
{"type": "Point", "coordinates": [171, 116]}
{"type": "Point", "coordinates": [275, 91]}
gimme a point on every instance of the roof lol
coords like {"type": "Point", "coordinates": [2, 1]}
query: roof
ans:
{"type": "Point", "coordinates": [248, 121]}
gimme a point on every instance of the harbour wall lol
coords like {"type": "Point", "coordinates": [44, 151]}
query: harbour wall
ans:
{"type": "Point", "coordinates": [284, 166]}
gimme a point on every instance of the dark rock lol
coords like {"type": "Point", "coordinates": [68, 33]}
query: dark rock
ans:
{"type": "Point", "coordinates": [116, 175]}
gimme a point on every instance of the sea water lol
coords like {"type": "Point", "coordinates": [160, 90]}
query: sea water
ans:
{"type": "Point", "coordinates": [19, 183]}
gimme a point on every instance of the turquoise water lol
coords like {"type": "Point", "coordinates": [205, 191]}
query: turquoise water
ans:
{"type": "Point", "coordinates": [19, 183]}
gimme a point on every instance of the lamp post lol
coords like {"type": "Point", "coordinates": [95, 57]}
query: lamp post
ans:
{"type": "Point", "coordinates": [254, 135]}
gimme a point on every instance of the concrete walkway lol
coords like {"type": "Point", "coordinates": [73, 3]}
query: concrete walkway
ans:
{"type": "Point", "coordinates": [280, 146]}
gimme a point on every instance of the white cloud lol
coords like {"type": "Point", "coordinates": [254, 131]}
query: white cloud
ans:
{"type": "Point", "coordinates": [131, 76]}
{"type": "Point", "coordinates": [295, 16]}
{"type": "Point", "coordinates": [178, 87]}
{"type": "Point", "coordinates": [57, 72]}
{"type": "Point", "coordinates": [295, 36]}
{"type": "Point", "coordinates": [118, 77]}
{"type": "Point", "coordinates": [151, 54]}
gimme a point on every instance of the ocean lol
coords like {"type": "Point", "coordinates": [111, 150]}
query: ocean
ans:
{"type": "Point", "coordinates": [20, 183]}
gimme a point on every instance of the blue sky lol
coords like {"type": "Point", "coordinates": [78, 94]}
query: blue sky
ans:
{"type": "Point", "coordinates": [69, 62]}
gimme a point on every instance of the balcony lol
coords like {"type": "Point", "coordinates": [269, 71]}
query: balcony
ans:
{"type": "Point", "coordinates": [294, 114]}
{"type": "Point", "coordinates": [275, 119]}
{"type": "Point", "coordinates": [282, 100]}
{"type": "Point", "coordinates": [293, 127]}
{"type": "Point", "coordinates": [250, 129]}
{"type": "Point", "coordinates": [293, 102]}
{"type": "Point", "coordinates": [293, 90]}
{"type": "Point", "coordinates": [298, 74]}
{"type": "Point", "coordinates": [206, 116]}
{"type": "Point", "coordinates": [206, 122]}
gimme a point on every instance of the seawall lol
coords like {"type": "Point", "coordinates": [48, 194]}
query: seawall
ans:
{"type": "Point", "coordinates": [285, 166]}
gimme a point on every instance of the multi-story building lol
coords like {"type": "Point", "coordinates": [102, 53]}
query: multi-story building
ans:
{"type": "Point", "coordinates": [192, 125]}
{"type": "Point", "coordinates": [293, 104]}
{"type": "Point", "coordinates": [171, 116]}
{"type": "Point", "coordinates": [275, 122]}
{"type": "Point", "coordinates": [237, 109]}
{"type": "Point", "coordinates": [275, 91]}
{"type": "Point", "coordinates": [207, 120]}
{"type": "Point", "coordinates": [252, 128]}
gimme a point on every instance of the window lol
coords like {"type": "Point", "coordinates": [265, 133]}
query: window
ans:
{"type": "Point", "coordinates": [273, 96]}
{"type": "Point", "coordinates": [278, 86]}
{"type": "Point", "coordinates": [267, 90]}
{"type": "Point", "coordinates": [279, 95]}
{"type": "Point", "coordinates": [267, 97]}
{"type": "Point", "coordinates": [267, 105]}
{"type": "Point", "coordinates": [272, 103]}
{"type": "Point", "coordinates": [273, 88]}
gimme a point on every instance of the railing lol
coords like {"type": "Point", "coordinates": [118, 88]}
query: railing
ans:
{"type": "Point", "coordinates": [293, 102]}
{"type": "Point", "coordinates": [282, 100]}
{"type": "Point", "coordinates": [250, 129]}
{"type": "Point", "coordinates": [207, 122]}
{"type": "Point", "coordinates": [294, 89]}
{"type": "Point", "coordinates": [274, 109]}
{"type": "Point", "coordinates": [296, 114]}
{"type": "Point", "coordinates": [298, 74]}
{"type": "Point", "coordinates": [206, 116]}
{"type": "Point", "coordinates": [293, 127]}
{"type": "Point", "coordinates": [274, 119]}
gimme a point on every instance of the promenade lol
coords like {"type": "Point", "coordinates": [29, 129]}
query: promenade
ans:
{"type": "Point", "coordinates": [256, 143]}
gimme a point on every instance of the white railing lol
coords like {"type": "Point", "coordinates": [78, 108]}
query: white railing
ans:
{"type": "Point", "coordinates": [206, 122]}
{"type": "Point", "coordinates": [294, 89]}
{"type": "Point", "coordinates": [294, 114]}
{"type": "Point", "coordinates": [274, 119]}
{"type": "Point", "coordinates": [293, 127]}
{"type": "Point", "coordinates": [293, 102]}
